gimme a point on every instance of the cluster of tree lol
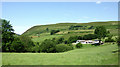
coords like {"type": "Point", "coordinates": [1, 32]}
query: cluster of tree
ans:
{"type": "Point", "coordinates": [109, 39]}
{"type": "Point", "coordinates": [12, 43]}
{"type": "Point", "coordinates": [118, 41]}
{"type": "Point", "coordinates": [101, 32]}
{"type": "Point", "coordinates": [54, 45]}
{"type": "Point", "coordinates": [47, 29]}
{"type": "Point", "coordinates": [85, 37]}
{"type": "Point", "coordinates": [79, 45]}
{"type": "Point", "coordinates": [78, 27]}
{"type": "Point", "coordinates": [91, 27]}
{"type": "Point", "coordinates": [54, 31]}
{"type": "Point", "coordinates": [22, 44]}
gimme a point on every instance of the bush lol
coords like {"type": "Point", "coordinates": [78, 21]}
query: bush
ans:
{"type": "Point", "coordinates": [47, 46]}
{"type": "Point", "coordinates": [79, 45]}
{"type": "Point", "coordinates": [60, 40]}
{"type": "Point", "coordinates": [54, 31]}
{"type": "Point", "coordinates": [17, 45]}
{"type": "Point", "coordinates": [109, 40]}
{"type": "Point", "coordinates": [27, 42]}
{"type": "Point", "coordinates": [118, 41]}
{"type": "Point", "coordinates": [53, 45]}
{"type": "Point", "coordinates": [89, 36]}
{"type": "Point", "coordinates": [63, 48]}
{"type": "Point", "coordinates": [36, 48]}
{"type": "Point", "coordinates": [72, 39]}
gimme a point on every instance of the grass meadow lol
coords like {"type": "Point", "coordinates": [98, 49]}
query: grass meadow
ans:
{"type": "Point", "coordinates": [88, 55]}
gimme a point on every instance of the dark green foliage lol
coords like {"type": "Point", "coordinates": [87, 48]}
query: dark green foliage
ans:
{"type": "Point", "coordinates": [54, 31]}
{"type": "Point", "coordinates": [72, 39]}
{"type": "Point", "coordinates": [65, 42]}
{"type": "Point", "coordinates": [109, 39]}
{"type": "Point", "coordinates": [71, 27]}
{"type": "Point", "coordinates": [91, 27]}
{"type": "Point", "coordinates": [47, 46]}
{"type": "Point", "coordinates": [17, 45]}
{"type": "Point", "coordinates": [47, 29]}
{"type": "Point", "coordinates": [36, 48]}
{"type": "Point", "coordinates": [7, 35]}
{"type": "Point", "coordinates": [85, 37]}
{"type": "Point", "coordinates": [63, 48]}
{"type": "Point", "coordinates": [77, 27]}
{"type": "Point", "coordinates": [89, 37]}
{"type": "Point", "coordinates": [60, 40]}
{"type": "Point", "coordinates": [101, 32]}
{"type": "Point", "coordinates": [52, 46]}
{"type": "Point", "coordinates": [28, 43]}
{"type": "Point", "coordinates": [79, 45]}
{"type": "Point", "coordinates": [118, 41]}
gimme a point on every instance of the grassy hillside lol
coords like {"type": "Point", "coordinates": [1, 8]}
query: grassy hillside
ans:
{"type": "Point", "coordinates": [40, 30]}
{"type": "Point", "coordinates": [88, 55]}
{"type": "Point", "coordinates": [65, 27]}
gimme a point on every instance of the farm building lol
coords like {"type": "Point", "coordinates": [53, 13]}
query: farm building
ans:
{"type": "Point", "coordinates": [88, 41]}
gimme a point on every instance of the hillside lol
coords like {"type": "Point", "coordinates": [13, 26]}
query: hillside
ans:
{"type": "Point", "coordinates": [79, 29]}
{"type": "Point", "coordinates": [65, 27]}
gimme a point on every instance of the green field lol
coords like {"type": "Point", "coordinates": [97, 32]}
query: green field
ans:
{"type": "Point", "coordinates": [65, 27]}
{"type": "Point", "coordinates": [40, 30]}
{"type": "Point", "coordinates": [45, 36]}
{"type": "Point", "coordinates": [88, 55]}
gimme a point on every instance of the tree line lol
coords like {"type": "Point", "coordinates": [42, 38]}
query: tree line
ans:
{"type": "Point", "coordinates": [12, 42]}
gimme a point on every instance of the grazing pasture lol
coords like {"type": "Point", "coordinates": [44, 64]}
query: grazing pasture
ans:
{"type": "Point", "coordinates": [88, 55]}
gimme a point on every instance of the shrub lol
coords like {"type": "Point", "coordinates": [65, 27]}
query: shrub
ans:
{"type": "Point", "coordinates": [109, 40]}
{"type": "Point", "coordinates": [27, 42]}
{"type": "Point", "coordinates": [54, 31]}
{"type": "Point", "coordinates": [118, 41]}
{"type": "Point", "coordinates": [36, 48]}
{"type": "Point", "coordinates": [72, 39]}
{"type": "Point", "coordinates": [79, 45]}
{"type": "Point", "coordinates": [63, 48]}
{"type": "Point", "coordinates": [60, 40]}
{"type": "Point", "coordinates": [47, 46]}
{"type": "Point", "coordinates": [89, 36]}
{"type": "Point", "coordinates": [17, 45]}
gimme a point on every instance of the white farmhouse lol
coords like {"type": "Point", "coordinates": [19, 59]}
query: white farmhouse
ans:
{"type": "Point", "coordinates": [88, 41]}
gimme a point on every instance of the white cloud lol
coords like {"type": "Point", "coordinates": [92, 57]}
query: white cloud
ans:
{"type": "Point", "coordinates": [98, 2]}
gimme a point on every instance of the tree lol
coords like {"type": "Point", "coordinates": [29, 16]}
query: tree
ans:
{"type": "Point", "coordinates": [118, 41]}
{"type": "Point", "coordinates": [71, 27]}
{"type": "Point", "coordinates": [101, 32]}
{"type": "Point", "coordinates": [54, 31]}
{"type": "Point", "coordinates": [72, 39]}
{"type": "Point", "coordinates": [17, 45]}
{"type": "Point", "coordinates": [47, 29]}
{"type": "Point", "coordinates": [63, 48]}
{"type": "Point", "coordinates": [79, 45]}
{"type": "Point", "coordinates": [27, 43]}
{"type": "Point", "coordinates": [7, 35]}
{"type": "Point", "coordinates": [89, 36]}
{"type": "Point", "coordinates": [47, 46]}
{"type": "Point", "coordinates": [60, 40]}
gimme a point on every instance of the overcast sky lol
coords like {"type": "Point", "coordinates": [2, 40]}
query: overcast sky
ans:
{"type": "Point", "coordinates": [23, 15]}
